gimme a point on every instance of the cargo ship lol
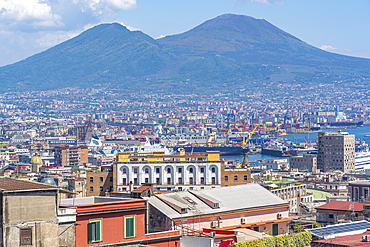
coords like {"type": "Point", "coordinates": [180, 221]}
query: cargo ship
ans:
{"type": "Point", "coordinates": [342, 124]}
{"type": "Point", "coordinates": [224, 150]}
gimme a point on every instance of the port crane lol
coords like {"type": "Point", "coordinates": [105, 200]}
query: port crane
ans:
{"type": "Point", "coordinates": [250, 136]}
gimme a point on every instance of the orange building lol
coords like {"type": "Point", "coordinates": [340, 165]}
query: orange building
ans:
{"type": "Point", "coordinates": [71, 155]}
{"type": "Point", "coordinates": [117, 221]}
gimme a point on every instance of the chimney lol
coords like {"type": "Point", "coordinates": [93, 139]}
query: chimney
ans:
{"type": "Point", "coordinates": [131, 186]}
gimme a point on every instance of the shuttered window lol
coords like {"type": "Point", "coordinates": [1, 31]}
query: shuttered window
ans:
{"type": "Point", "coordinates": [130, 226]}
{"type": "Point", "coordinates": [94, 231]}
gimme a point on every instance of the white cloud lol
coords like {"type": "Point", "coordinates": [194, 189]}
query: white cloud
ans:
{"type": "Point", "coordinates": [161, 36]}
{"type": "Point", "coordinates": [262, 1]}
{"type": "Point", "coordinates": [30, 26]}
{"type": "Point", "coordinates": [53, 38]}
{"type": "Point", "coordinates": [34, 11]}
{"type": "Point", "coordinates": [328, 48]}
{"type": "Point", "coordinates": [122, 4]}
{"type": "Point", "coordinates": [129, 27]}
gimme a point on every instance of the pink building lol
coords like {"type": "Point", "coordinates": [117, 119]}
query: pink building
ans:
{"type": "Point", "coordinates": [243, 206]}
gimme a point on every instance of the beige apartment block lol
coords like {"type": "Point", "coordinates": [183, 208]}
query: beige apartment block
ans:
{"type": "Point", "coordinates": [336, 151]}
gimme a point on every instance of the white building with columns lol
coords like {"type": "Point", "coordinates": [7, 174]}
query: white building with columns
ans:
{"type": "Point", "coordinates": [168, 172]}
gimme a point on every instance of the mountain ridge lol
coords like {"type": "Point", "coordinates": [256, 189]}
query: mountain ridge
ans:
{"type": "Point", "coordinates": [235, 50]}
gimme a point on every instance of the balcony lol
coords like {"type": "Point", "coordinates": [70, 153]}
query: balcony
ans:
{"type": "Point", "coordinates": [66, 214]}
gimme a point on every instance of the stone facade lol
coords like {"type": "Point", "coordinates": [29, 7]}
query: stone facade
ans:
{"type": "Point", "coordinates": [97, 183]}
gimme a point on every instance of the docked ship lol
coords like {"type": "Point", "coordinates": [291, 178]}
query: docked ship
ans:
{"type": "Point", "coordinates": [362, 161]}
{"type": "Point", "coordinates": [278, 149]}
{"type": "Point", "coordinates": [192, 139]}
{"type": "Point", "coordinates": [224, 150]}
{"type": "Point", "coordinates": [342, 124]}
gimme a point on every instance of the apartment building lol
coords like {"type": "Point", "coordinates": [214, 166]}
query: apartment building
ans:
{"type": "Point", "coordinates": [97, 183]}
{"type": "Point", "coordinates": [296, 195]}
{"type": "Point", "coordinates": [233, 175]}
{"type": "Point", "coordinates": [359, 191]}
{"type": "Point", "coordinates": [336, 151]}
{"type": "Point", "coordinates": [167, 172]}
{"type": "Point", "coordinates": [71, 155]}
{"type": "Point", "coordinates": [307, 162]}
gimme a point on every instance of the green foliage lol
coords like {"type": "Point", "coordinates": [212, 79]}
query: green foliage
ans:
{"type": "Point", "coordinates": [301, 239]}
{"type": "Point", "coordinates": [298, 228]}
{"type": "Point", "coordinates": [317, 225]}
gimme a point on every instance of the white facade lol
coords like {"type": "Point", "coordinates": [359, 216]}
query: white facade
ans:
{"type": "Point", "coordinates": [169, 175]}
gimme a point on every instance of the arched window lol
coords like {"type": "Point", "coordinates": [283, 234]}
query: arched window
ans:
{"type": "Point", "coordinates": [146, 170]}
{"type": "Point", "coordinates": [124, 171]}
{"type": "Point", "coordinates": [168, 170]}
{"type": "Point", "coordinates": [213, 170]}
{"type": "Point", "coordinates": [191, 170]}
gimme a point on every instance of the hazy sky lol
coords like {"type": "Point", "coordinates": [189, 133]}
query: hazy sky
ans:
{"type": "Point", "coordinates": [31, 26]}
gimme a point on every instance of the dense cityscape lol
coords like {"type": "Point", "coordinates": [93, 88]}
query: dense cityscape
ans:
{"type": "Point", "coordinates": [180, 124]}
{"type": "Point", "coordinates": [174, 165]}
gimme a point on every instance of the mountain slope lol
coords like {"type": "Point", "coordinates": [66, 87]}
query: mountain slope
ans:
{"type": "Point", "coordinates": [105, 53]}
{"type": "Point", "coordinates": [220, 54]}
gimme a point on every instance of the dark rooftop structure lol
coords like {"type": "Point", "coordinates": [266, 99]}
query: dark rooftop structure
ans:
{"type": "Point", "coordinates": [10, 184]}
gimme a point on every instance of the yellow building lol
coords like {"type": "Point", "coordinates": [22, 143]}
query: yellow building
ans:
{"type": "Point", "coordinates": [168, 172]}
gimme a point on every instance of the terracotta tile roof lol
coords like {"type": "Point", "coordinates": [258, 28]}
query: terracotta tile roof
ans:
{"type": "Point", "coordinates": [141, 189]}
{"type": "Point", "coordinates": [344, 206]}
{"type": "Point", "coordinates": [16, 184]}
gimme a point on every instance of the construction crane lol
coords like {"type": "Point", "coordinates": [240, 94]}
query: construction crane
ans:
{"type": "Point", "coordinates": [250, 136]}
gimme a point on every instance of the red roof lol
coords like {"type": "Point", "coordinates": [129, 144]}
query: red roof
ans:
{"type": "Point", "coordinates": [141, 189]}
{"type": "Point", "coordinates": [348, 241]}
{"type": "Point", "coordinates": [15, 184]}
{"type": "Point", "coordinates": [344, 206]}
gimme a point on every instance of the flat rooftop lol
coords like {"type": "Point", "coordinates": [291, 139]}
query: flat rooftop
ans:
{"type": "Point", "coordinates": [92, 200]}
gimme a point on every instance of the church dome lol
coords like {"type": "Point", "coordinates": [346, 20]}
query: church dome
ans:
{"type": "Point", "coordinates": [48, 180]}
{"type": "Point", "coordinates": [36, 160]}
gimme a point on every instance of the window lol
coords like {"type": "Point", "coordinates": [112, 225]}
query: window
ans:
{"type": "Point", "coordinates": [26, 236]}
{"type": "Point", "coordinates": [245, 177]}
{"type": "Point", "coordinates": [91, 189]}
{"type": "Point", "coordinates": [124, 181]}
{"type": "Point", "coordinates": [135, 170]}
{"type": "Point", "coordinates": [129, 226]}
{"type": "Point", "coordinates": [124, 171]}
{"type": "Point", "coordinates": [101, 189]}
{"type": "Point", "coordinates": [101, 179]}
{"type": "Point", "coordinates": [202, 169]}
{"type": "Point", "coordinates": [236, 178]}
{"type": "Point", "coordinates": [94, 231]}
{"type": "Point", "coordinates": [213, 170]}
{"type": "Point", "coordinates": [168, 170]}
{"type": "Point", "coordinates": [202, 180]}
{"type": "Point", "coordinates": [157, 170]}
{"type": "Point", "coordinates": [226, 178]}
{"type": "Point", "coordinates": [146, 170]}
{"type": "Point", "coordinates": [183, 210]}
{"type": "Point", "coordinates": [146, 180]}
{"type": "Point", "coordinates": [157, 180]}
{"type": "Point", "coordinates": [191, 170]}
{"type": "Point", "coordinates": [331, 216]}
{"type": "Point", "coordinates": [191, 180]}
{"type": "Point", "coordinates": [135, 180]}
{"type": "Point", "coordinates": [111, 179]}
{"type": "Point", "coordinates": [91, 179]}
{"type": "Point", "coordinates": [180, 169]}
